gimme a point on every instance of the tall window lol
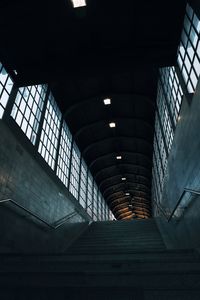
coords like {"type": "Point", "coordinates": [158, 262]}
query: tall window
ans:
{"type": "Point", "coordinates": [27, 109]}
{"type": "Point", "coordinates": [64, 154]}
{"type": "Point", "coordinates": [89, 194]}
{"type": "Point", "coordinates": [95, 202]}
{"type": "Point", "coordinates": [189, 50]}
{"type": "Point", "coordinates": [172, 92]}
{"type": "Point", "coordinates": [6, 85]}
{"type": "Point", "coordinates": [75, 168]}
{"type": "Point", "coordinates": [169, 98]}
{"type": "Point", "coordinates": [50, 132]}
{"type": "Point", "coordinates": [83, 184]}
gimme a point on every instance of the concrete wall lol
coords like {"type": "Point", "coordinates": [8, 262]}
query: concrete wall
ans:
{"type": "Point", "coordinates": [184, 172]}
{"type": "Point", "coordinates": [25, 178]}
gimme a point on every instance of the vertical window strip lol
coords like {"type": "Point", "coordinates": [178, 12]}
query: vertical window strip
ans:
{"type": "Point", "coordinates": [89, 193]}
{"type": "Point", "coordinates": [6, 85]}
{"type": "Point", "coordinates": [165, 122]}
{"type": "Point", "coordinates": [27, 109]}
{"type": "Point", "coordinates": [99, 206]}
{"type": "Point", "coordinates": [83, 184]}
{"type": "Point", "coordinates": [50, 132]}
{"type": "Point", "coordinates": [102, 208]}
{"type": "Point", "coordinates": [173, 91]}
{"type": "Point", "coordinates": [169, 98]}
{"type": "Point", "coordinates": [189, 50]}
{"type": "Point", "coordinates": [75, 167]}
{"type": "Point", "coordinates": [64, 154]}
{"type": "Point", "coordinates": [95, 201]}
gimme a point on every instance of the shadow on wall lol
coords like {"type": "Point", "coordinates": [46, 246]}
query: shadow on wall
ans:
{"type": "Point", "coordinates": [184, 172]}
{"type": "Point", "coordinates": [19, 233]}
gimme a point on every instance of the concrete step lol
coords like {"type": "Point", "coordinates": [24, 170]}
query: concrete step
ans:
{"type": "Point", "coordinates": [149, 270]}
{"type": "Point", "coordinates": [116, 237]}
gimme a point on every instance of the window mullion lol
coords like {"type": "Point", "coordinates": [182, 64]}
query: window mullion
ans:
{"type": "Point", "coordinates": [42, 119]}
{"type": "Point", "coordinates": [58, 146]}
{"type": "Point", "coordinates": [70, 162]}
{"type": "Point", "coordinates": [10, 103]}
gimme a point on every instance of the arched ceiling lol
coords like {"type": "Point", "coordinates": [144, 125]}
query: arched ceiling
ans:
{"type": "Point", "coordinates": [108, 49]}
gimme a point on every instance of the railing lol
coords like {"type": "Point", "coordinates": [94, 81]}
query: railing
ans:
{"type": "Point", "coordinates": [186, 190]}
{"type": "Point", "coordinates": [58, 223]}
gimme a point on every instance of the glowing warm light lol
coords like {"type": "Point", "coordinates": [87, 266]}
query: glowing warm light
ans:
{"type": "Point", "coordinates": [78, 3]}
{"type": "Point", "coordinates": [107, 101]}
{"type": "Point", "coordinates": [118, 157]}
{"type": "Point", "coordinates": [112, 125]}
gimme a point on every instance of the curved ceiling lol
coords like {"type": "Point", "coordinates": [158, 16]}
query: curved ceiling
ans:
{"type": "Point", "coordinates": [120, 180]}
{"type": "Point", "coordinates": [107, 49]}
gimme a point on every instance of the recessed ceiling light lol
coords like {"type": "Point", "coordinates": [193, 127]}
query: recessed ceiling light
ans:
{"type": "Point", "coordinates": [118, 157]}
{"type": "Point", "coordinates": [123, 178]}
{"type": "Point", "coordinates": [112, 125]}
{"type": "Point", "coordinates": [78, 3]}
{"type": "Point", "coordinates": [107, 101]}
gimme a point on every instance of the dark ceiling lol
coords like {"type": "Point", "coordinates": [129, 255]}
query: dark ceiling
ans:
{"type": "Point", "coordinates": [112, 49]}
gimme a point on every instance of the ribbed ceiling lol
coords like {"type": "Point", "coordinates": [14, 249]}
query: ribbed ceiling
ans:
{"type": "Point", "coordinates": [108, 49]}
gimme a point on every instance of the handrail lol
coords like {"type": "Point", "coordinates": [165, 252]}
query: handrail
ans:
{"type": "Point", "coordinates": [67, 217]}
{"type": "Point", "coordinates": [186, 190]}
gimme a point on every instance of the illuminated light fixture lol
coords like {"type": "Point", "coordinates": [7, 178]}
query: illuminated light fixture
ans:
{"type": "Point", "coordinates": [123, 178]}
{"type": "Point", "coordinates": [127, 194]}
{"type": "Point", "coordinates": [78, 3]}
{"type": "Point", "coordinates": [107, 101]}
{"type": "Point", "coordinates": [15, 71]}
{"type": "Point", "coordinates": [112, 125]}
{"type": "Point", "coordinates": [119, 157]}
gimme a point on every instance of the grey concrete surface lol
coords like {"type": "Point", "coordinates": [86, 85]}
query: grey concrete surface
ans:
{"type": "Point", "coordinates": [25, 181]}
{"type": "Point", "coordinates": [184, 172]}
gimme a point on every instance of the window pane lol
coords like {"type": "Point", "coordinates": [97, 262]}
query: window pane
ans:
{"type": "Point", "coordinates": [74, 175]}
{"type": "Point", "coordinates": [189, 39]}
{"type": "Point", "coordinates": [21, 111]}
{"type": "Point", "coordinates": [49, 137]}
{"type": "Point", "coordinates": [64, 154]}
{"type": "Point", "coordinates": [6, 85]}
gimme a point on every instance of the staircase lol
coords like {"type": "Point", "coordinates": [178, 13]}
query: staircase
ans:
{"type": "Point", "coordinates": [119, 237]}
{"type": "Point", "coordinates": [124, 260]}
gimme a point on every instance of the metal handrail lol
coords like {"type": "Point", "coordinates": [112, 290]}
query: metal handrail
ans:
{"type": "Point", "coordinates": [67, 217]}
{"type": "Point", "coordinates": [186, 190]}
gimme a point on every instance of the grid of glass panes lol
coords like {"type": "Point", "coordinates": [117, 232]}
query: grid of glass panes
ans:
{"type": "Point", "coordinates": [173, 91]}
{"type": "Point", "coordinates": [95, 201]}
{"type": "Point", "coordinates": [89, 193]}
{"type": "Point", "coordinates": [6, 85]}
{"type": "Point", "coordinates": [104, 210]}
{"type": "Point", "coordinates": [75, 171]}
{"type": "Point", "coordinates": [156, 178]}
{"type": "Point", "coordinates": [64, 154]}
{"type": "Point", "coordinates": [50, 132]}
{"type": "Point", "coordinates": [189, 50]}
{"type": "Point", "coordinates": [83, 184]}
{"type": "Point", "coordinates": [99, 205]}
{"type": "Point", "coordinates": [165, 119]}
{"type": "Point", "coordinates": [160, 144]}
{"type": "Point", "coordinates": [27, 109]}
